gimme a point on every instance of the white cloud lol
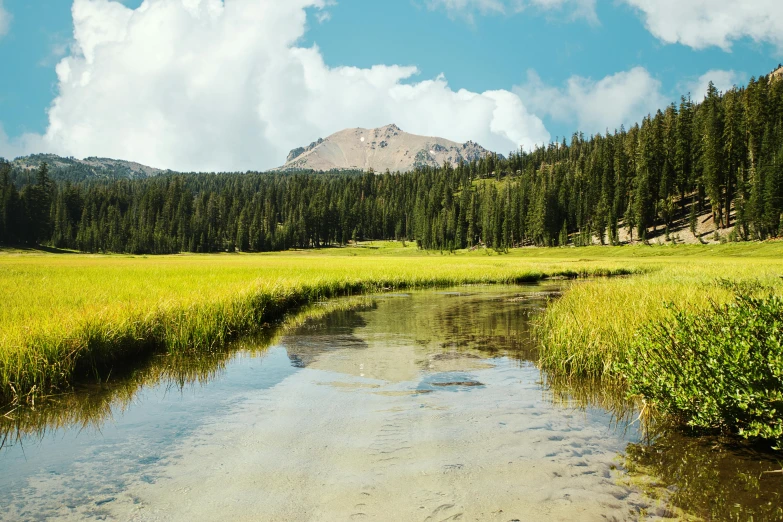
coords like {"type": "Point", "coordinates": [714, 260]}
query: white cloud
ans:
{"type": "Point", "coordinates": [5, 20]}
{"type": "Point", "coordinates": [11, 148]}
{"type": "Point", "coordinates": [575, 8]}
{"type": "Point", "coordinates": [8, 149]}
{"type": "Point", "coordinates": [203, 85]}
{"type": "Point", "coordinates": [723, 80]}
{"type": "Point", "coordinates": [705, 23]}
{"type": "Point", "coordinates": [595, 106]}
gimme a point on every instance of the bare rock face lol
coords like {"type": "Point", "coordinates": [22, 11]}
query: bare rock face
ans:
{"type": "Point", "coordinates": [301, 150]}
{"type": "Point", "coordinates": [385, 148]}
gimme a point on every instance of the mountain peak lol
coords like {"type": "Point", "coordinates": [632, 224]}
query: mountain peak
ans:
{"type": "Point", "coordinates": [385, 148]}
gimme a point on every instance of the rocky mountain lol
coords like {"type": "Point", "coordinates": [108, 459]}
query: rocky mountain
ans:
{"type": "Point", "coordinates": [76, 169]}
{"type": "Point", "coordinates": [380, 149]}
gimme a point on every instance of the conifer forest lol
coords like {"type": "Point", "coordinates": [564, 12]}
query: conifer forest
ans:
{"type": "Point", "coordinates": [722, 156]}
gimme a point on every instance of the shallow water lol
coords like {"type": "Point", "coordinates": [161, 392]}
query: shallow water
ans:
{"type": "Point", "coordinates": [419, 406]}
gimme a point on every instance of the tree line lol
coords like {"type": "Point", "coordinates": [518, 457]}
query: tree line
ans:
{"type": "Point", "coordinates": [723, 156]}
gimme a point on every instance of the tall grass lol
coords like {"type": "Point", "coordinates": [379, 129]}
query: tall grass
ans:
{"type": "Point", "coordinates": [590, 329]}
{"type": "Point", "coordinates": [68, 316]}
{"type": "Point", "coordinates": [710, 369]}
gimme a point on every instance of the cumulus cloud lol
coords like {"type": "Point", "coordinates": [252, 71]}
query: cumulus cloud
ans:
{"type": "Point", "coordinates": [705, 23]}
{"type": "Point", "coordinates": [5, 20]}
{"type": "Point", "coordinates": [208, 85]}
{"type": "Point", "coordinates": [595, 106]}
{"type": "Point", "coordinates": [574, 8]}
{"type": "Point", "coordinates": [723, 80]}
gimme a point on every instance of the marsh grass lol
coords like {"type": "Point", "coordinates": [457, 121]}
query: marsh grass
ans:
{"type": "Point", "coordinates": [589, 330]}
{"type": "Point", "coordinates": [703, 367]}
{"type": "Point", "coordinates": [67, 318]}
{"type": "Point", "coordinates": [72, 317]}
{"type": "Point", "coordinates": [89, 405]}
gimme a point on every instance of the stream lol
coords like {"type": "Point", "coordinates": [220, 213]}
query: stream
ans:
{"type": "Point", "coordinates": [426, 405]}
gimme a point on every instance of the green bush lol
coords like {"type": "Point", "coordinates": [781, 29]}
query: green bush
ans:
{"type": "Point", "coordinates": [720, 369]}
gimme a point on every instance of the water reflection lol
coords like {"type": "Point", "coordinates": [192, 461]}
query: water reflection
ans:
{"type": "Point", "coordinates": [709, 478]}
{"type": "Point", "coordinates": [411, 336]}
{"type": "Point", "coordinates": [310, 340]}
{"type": "Point", "coordinates": [91, 405]}
{"type": "Point", "coordinates": [435, 336]}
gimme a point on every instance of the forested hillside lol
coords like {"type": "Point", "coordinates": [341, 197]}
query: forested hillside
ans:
{"type": "Point", "coordinates": [723, 155]}
{"type": "Point", "coordinates": [75, 170]}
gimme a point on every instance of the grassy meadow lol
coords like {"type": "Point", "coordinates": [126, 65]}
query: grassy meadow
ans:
{"type": "Point", "coordinates": [70, 314]}
{"type": "Point", "coordinates": [67, 316]}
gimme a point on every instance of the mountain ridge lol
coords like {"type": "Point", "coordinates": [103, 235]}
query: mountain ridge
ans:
{"type": "Point", "coordinates": [93, 166]}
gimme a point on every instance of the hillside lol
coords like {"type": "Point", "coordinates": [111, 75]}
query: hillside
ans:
{"type": "Point", "coordinates": [77, 170]}
{"type": "Point", "coordinates": [385, 148]}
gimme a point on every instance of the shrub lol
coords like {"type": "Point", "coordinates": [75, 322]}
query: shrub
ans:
{"type": "Point", "coordinates": [719, 369]}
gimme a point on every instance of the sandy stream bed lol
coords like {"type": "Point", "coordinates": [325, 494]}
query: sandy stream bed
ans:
{"type": "Point", "coordinates": [328, 446]}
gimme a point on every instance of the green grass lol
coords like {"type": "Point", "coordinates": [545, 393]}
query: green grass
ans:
{"type": "Point", "coordinates": [591, 328]}
{"type": "Point", "coordinates": [709, 367]}
{"type": "Point", "coordinates": [67, 315]}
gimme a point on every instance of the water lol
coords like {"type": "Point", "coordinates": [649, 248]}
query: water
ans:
{"type": "Point", "coordinates": [419, 406]}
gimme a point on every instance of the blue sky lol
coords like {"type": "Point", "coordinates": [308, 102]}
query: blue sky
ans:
{"type": "Point", "coordinates": [477, 45]}
{"type": "Point", "coordinates": [495, 51]}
